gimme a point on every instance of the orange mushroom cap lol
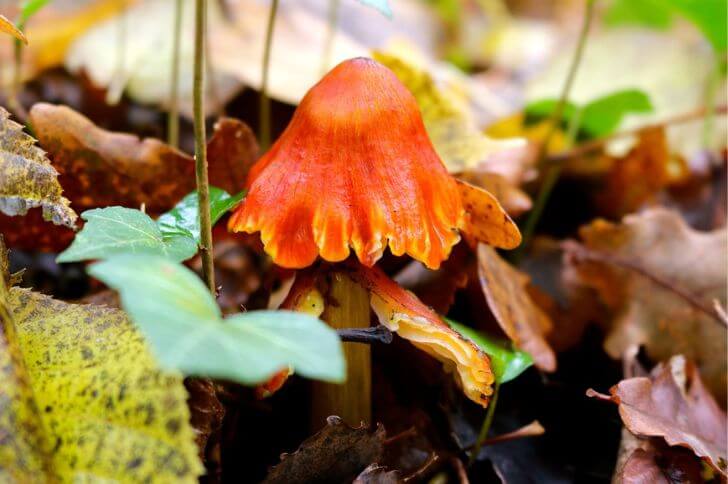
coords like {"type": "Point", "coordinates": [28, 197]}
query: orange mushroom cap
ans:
{"type": "Point", "coordinates": [354, 168]}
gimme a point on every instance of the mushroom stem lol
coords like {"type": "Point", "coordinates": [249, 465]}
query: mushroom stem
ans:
{"type": "Point", "coordinates": [203, 185]}
{"type": "Point", "coordinates": [347, 303]}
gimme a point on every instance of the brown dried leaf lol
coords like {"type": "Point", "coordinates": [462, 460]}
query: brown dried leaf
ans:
{"type": "Point", "coordinates": [514, 200]}
{"type": "Point", "coordinates": [27, 178]}
{"type": "Point", "coordinates": [337, 453]}
{"type": "Point", "coordinates": [672, 403]}
{"type": "Point", "coordinates": [636, 178]}
{"type": "Point", "coordinates": [485, 219]}
{"type": "Point", "coordinates": [99, 168]}
{"type": "Point", "coordinates": [659, 278]}
{"type": "Point", "coordinates": [206, 411]}
{"type": "Point", "coordinates": [505, 289]}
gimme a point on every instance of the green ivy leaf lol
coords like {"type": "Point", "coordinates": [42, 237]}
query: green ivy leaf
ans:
{"type": "Point", "coordinates": [382, 6]}
{"type": "Point", "coordinates": [183, 219]}
{"type": "Point", "coordinates": [507, 363]}
{"type": "Point", "coordinates": [118, 230]}
{"type": "Point", "coordinates": [183, 324]}
{"type": "Point", "coordinates": [599, 117]}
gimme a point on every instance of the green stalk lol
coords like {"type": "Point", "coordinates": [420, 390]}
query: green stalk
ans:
{"type": "Point", "coordinates": [203, 186]}
{"type": "Point", "coordinates": [553, 173]}
{"type": "Point", "coordinates": [486, 424]}
{"type": "Point", "coordinates": [173, 114]}
{"type": "Point", "coordinates": [265, 123]}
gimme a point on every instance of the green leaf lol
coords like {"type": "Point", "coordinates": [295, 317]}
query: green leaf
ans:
{"type": "Point", "coordinates": [599, 117]}
{"type": "Point", "coordinates": [183, 219]}
{"type": "Point", "coordinates": [118, 230]}
{"type": "Point", "coordinates": [709, 16]}
{"type": "Point", "coordinates": [182, 321]}
{"type": "Point", "coordinates": [83, 399]}
{"type": "Point", "coordinates": [30, 8]}
{"type": "Point", "coordinates": [507, 363]}
{"type": "Point", "coordinates": [382, 6]}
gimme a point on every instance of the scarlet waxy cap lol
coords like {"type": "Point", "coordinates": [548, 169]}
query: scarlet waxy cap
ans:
{"type": "Point", "coordinates": [354, 168]}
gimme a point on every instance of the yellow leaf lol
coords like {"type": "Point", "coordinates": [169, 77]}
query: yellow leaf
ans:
{"type": "Point", "coordinates": [452, 129]}
{"type": "Point", "coordinates": [83, 399]}
{"type": "Point", "coordinates": [9, 28]}
{"type": "Point", "coordinates": [27, 178]}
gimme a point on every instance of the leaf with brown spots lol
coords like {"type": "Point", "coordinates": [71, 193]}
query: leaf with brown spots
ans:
{"type": "Point", "coordinates": [83, 399]}
{"type": "Point", "coordinates": [658, 279]}
{"type": "Point", "coordinates": [673, 404]}
{"type": "Point", "coordinates": [337, 453]}
{"type": "Point", "coordinates": [505, 289]}
{"type": "Point", "coordinates": [514, 200]}
{"type": "Point", "coordinates": [27, 178]}
{"type": "Point", "coordinates": [99, 168]}
{"type": "Point", "coordinates": [485, 219]}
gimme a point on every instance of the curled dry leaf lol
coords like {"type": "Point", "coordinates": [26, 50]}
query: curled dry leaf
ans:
{"type": "Point", "coordinates": [82, 396]}
{"type": "Point", "coordinates": [505, 289]}
{"type": "Point", "coordinates": [337, 453]}
{"type": "Point", "coordinates": [673, 404]}
{"type": "Point", "coordinates": [27, 178]}
{"type": "Point", "coordinates": [658, 277]}
{"type": "Point", "coordinates": [450, 125]}
{"type": "Point", "coordinates": [485, 219]}
{"type": "Point", "coordinates": [514, 200]}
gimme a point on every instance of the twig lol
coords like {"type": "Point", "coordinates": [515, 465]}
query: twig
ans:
{"type": "Point", "coordinates": [377, 334]}
{"type": "Point", "coordinates": [580, 252]}
{"type": "Point", "coordinates": [173, 114]}
{"type": "Point", "coordinates": [203, 187]}
{"type": "Point", "coordinates": [533, 429]}
{"type": "Point", "coordinates": [265, 123]}
{"type": "Point", "coordinates": [486, 425]}
{"type": "Point", "coordinates": [596, 144]}
{"type": "Point", "coordinates": [433, 460]}
{"type": "Point", "coordinates": [553, 173]}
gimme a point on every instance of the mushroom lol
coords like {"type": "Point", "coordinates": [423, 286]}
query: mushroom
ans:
{"type": "Point", "coordinates": [355, 169]}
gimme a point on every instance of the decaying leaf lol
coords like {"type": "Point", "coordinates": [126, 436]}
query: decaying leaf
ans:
{"type": "Point", "coordinates": [9, 28]}
{"type": "Point", "coordinates": [83, 398]}
{"type": "Point", "coordinates": [514, 200]}
{"type": "Point", "coordinates": [505, 289]}
{"type": "Point", "coordinates": [337, 453]}
{"type": "Point", "coordinates": [672, 403]}
{"type": "Point", "coordinates": [451, 127]}
{"type": "Point", "coordinates": [99, 168]}
{"type": "Point", "coordinates": [206, 411]}
{"type": "Point", "coordinates": [27, 178]}
{"type": "Point", "coordinates": [634, 179]}
{"type": "Point", "coordinates": [485, 219]}
{"type": "Point", "coordinates": [658, 277]}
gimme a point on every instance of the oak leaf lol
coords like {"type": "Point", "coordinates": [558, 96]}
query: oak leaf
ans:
{"type": "Point", "coordinates": [673, 404]}
{"type": "Point", "coordinates": [658, 278]}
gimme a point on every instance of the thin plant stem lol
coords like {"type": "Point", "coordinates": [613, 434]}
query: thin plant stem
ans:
{"type": "Point", "coordinates": [173, 114]}
{"type": "Point", "coordinates": [552, 175]}
{"type": "Point", "coordinates": [265, 122]}
{"type": "Point", "coordinates": [17, 81]}
{"type": "Point", "coordinates": [333, 20]}
{"type": "Point", "coordinates": [711, 90]}
{"type": "Point", "coordinates": [203, 187]}
{"type": "Point", "coordinates": [486, 424]}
